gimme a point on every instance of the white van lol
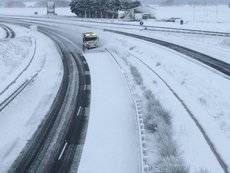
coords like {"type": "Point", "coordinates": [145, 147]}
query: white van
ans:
{"type": "Point", "coordinates": [90, 40]}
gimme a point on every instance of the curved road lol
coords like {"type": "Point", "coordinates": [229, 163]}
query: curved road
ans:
{"type": "Point", "coordinates": [61, 134]}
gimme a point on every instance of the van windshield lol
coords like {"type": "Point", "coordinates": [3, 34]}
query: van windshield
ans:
{"type": "Point", "coordinates": [90, 38]}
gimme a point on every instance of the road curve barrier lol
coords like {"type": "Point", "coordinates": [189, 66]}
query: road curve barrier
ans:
{"type": "Point", "coordinates": [16, 81]}
{"type": "Point", "coordinates": [138, 103]}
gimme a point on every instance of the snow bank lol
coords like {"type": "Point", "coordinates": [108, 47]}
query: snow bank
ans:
{"type": "Point", "coordinates": [112, 140]}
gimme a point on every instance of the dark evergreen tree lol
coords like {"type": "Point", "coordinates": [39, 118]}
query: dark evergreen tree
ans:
{"type": "Point", "coordinates": [100, 8]}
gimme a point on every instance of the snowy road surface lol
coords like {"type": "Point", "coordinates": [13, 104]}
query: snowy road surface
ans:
{"type": "Point", "coordinates": [112, 141]}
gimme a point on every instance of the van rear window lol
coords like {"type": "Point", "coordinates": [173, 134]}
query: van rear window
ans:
{"type": "Point", "coordinates": [90, 38]}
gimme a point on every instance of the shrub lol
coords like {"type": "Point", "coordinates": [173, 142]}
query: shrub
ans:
{"type": "Point", "coordinates": [137, 76]}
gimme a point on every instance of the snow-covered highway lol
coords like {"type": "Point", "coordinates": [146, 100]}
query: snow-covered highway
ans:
{"type": "Point", "coordinates": [190, 86]}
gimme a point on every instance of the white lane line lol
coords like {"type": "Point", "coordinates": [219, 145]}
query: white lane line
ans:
{"type": "Point", "coordinates": [62, 151]}
{"type": "Point", "coordinates": [79, 110]}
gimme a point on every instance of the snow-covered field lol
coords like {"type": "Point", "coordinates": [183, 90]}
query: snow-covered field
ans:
{"type": "Point", "coordinates": [197, 13]}
{"type": "Point", "coordinates": [214, 18]}
{"type": "Point", "coordinates": [30, 11]}
{"type": "Point", "coordinates": [20, 119]}
{"type": "Point", "coordinates": [209, 17]}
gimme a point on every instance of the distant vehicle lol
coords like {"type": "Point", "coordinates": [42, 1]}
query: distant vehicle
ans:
{"type": "Point", "coordinates": [138, 16]}
{"type": "Point", "coordinates": [50, 8]}
{"type": "Point", "coordinates": [90, 40]}
{"type": "Point", "coordinates": [146, 16]}
{"type": "Point", "coordinates": [171, 19]}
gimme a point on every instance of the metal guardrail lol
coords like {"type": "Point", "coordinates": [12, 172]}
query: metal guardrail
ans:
{"type": "Point", "coordinates": [144, 167]}
{"type": "Point", "coordinates": [17, 90]}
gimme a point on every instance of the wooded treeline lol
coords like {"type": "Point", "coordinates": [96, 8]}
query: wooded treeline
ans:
{"type": "Point", "coordinates": [101, 8]}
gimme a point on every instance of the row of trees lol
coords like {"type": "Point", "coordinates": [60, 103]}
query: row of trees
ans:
{"type": "Point", "coordinates": [101, 8]}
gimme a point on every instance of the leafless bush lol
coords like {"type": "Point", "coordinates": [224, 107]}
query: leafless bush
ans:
{"type": "Point", "coordinates": [171, 165]}
{"type": "Point", "coordinates": [167, 147]}
{"type": "Point", "coordinates": [137, 76]}
{"type": "Point", "coordinates": [154, 107]}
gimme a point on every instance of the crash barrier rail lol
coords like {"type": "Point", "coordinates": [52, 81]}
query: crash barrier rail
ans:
{"type": "Point", "coordinates": [162, 28]}
{"type": "Point", "coordinates": [5, 97]}
{"type": "Point", "coordinates": [139, 116]}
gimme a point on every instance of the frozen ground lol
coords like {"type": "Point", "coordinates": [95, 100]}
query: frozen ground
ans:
{"type": "Point", "coordinates": [112, 140]}
{"type": "Point", "coordinates": [22, 116]}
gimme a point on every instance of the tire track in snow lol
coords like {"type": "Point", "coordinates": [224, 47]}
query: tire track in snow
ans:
{"type": "Point", "coordinates": [9, 32]}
